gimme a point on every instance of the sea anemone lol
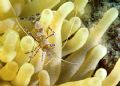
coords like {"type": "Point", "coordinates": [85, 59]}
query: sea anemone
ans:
{"type": "Point", "coordinates": [46, 43]}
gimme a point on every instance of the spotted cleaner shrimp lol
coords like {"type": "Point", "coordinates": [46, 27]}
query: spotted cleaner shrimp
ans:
{"type": "Point", "coordinates": [43, 43]}
{"type": "Point", "coordinates": [42, 39]}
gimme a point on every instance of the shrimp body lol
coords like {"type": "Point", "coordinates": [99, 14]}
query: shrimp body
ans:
{"type": "Point", "coordinates": [41, 38]}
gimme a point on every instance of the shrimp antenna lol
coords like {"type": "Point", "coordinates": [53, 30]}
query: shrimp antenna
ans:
{"type": "Point", "coordinates": [53, 53]}
{"type": "Point", "coordinates": [17, 20]}
{"type": "Point", "coordinates": [70, 30]}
